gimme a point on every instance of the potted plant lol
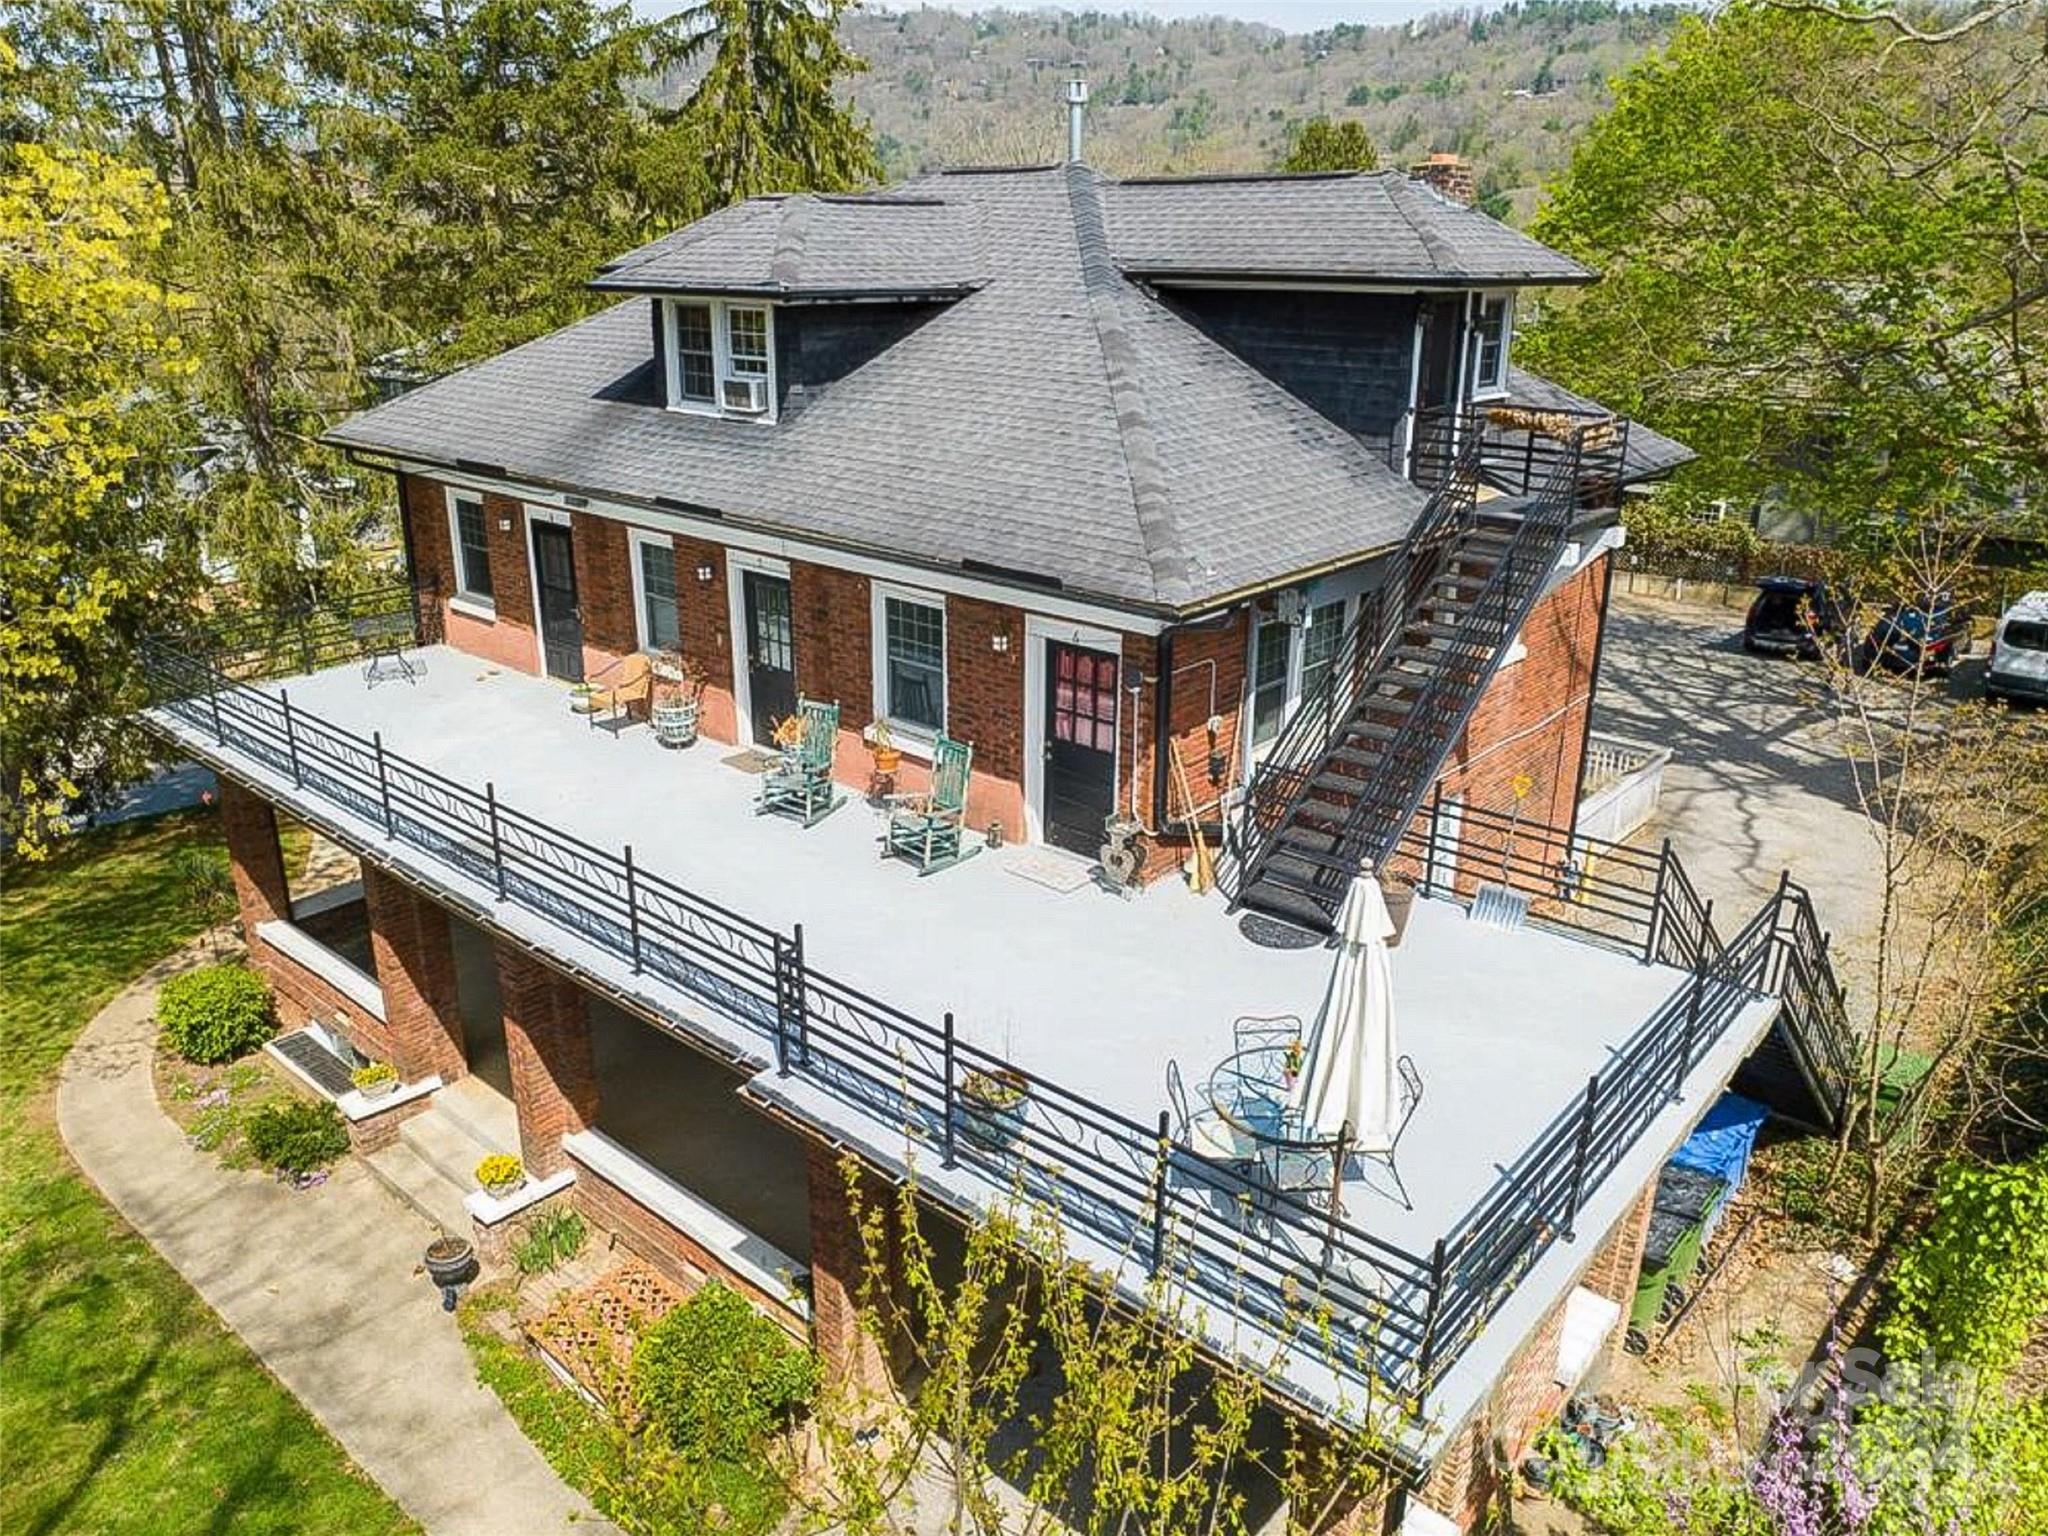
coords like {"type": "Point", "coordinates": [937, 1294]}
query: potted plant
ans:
{"type": "Point", "coordinates": [500, 1174]}
{"type": "Point", "coordinates": [992, 1106]}
{"type": "Point", "coordinates": [888, 756]}
{"type": "Point", "coordinates": [678, 699]}
{"type": "Point", "coordinates": [583, 698]}
{"type": "Point", "coordinates": [377, 1080]}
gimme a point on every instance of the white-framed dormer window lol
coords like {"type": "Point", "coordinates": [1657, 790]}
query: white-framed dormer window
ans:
{"type": "Point", "coordinates": [656, 615]}
{"type": "Point", "coordinates": [721, 357]}
{"type": "Point", "coordinates": [1493, 320]}
{"type": "Point", "coordinates": [469, 545]}
{"type": "Point", "coordinates": [910, 661]}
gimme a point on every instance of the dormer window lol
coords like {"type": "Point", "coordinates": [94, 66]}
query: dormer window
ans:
{"type": "Point", "coordinates": [1492, 329]}
{"type": "Point", "coordinates": [721, 357]}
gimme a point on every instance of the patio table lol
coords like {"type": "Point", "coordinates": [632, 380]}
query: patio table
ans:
{"type": "Point", "coordinates": [1249, 1090]}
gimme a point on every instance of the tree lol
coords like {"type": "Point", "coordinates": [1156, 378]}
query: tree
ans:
{"type": "Point", "coordinates": [1323, 145]}
{"type": "Point", "coordinates": [765, 116]}
{"type": "Point", "coordinates": [94, 539]}
{"type": "Point", "coordinates": [1822, 257]}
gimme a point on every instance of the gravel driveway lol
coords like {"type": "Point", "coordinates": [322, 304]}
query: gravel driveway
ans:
{"type": "Point", "coordinates": [1754, 785]}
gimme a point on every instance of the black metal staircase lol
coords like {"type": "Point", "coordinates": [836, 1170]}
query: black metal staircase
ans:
{"type": "Point", "coordinates": [1358, 757]}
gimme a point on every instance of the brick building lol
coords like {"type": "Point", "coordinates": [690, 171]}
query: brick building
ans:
{"type": "Point", "coordinates": [1210, 505]}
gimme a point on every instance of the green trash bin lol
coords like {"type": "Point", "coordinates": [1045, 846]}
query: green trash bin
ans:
{"type": "Point", "coordinates": [1686, 1198]}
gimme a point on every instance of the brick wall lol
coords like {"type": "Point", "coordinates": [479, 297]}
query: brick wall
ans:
{"type": "Point", "coordinates": [1467, 1479]}
{"type": "Point", "coordinates": [547, 1043]}
{"type": "Point", "coordinates": [1201, 656]}
{"type": "Point", "coordinates": [674, 1252]}
{"type": "Point", "coordinates": [604, 590]}
{"type": "Point", "coordinates": [507, 640]}
{"type": "Point", "coordinates": [415, 960]}
{"type": "Point", "coordinates": [706, 626]}
{"type": "Point", "coordinates": [851, 1356]}
{"type": "Point", "coordinates": [985, 705]}
{"type": "Point", "coordinates": [262, 895]}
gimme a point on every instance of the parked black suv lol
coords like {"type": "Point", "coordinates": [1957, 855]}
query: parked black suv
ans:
{"type": "Point", "coordinates": [1792, 616]}
{"type": "Point", "coordinates": [1925, 638]}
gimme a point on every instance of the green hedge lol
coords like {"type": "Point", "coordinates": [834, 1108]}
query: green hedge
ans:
{"type": "Point", "coordinates": [717, 1378]}
{"type": "Point", "coordinates": [1973, 1286]}
{"type": "Point", "coordinates": [215, 1013]}
{"type": "Point", "coordinates": [297, 1135]}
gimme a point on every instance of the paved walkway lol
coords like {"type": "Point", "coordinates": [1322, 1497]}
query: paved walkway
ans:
{"type": "Point", "coordinates": [323, 1286]}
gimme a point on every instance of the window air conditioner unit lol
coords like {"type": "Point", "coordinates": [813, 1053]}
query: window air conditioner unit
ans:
{"type": "Point", "coordinates": [749, 396]}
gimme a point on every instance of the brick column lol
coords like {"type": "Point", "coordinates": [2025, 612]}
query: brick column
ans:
{"type": "Point", "coordinates": [1619, 1262]}
{"type": "Point", "coordinates": [415, 958]}
{"type": "Point", "coordinates": [851, 1355]}
{"type": "Point", "coordinates": [554, 1073]}
{"type": "Point", "coordinates": [250, 827]}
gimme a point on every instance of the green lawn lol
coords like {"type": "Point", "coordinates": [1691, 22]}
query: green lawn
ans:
{"type": "Point", "coordinates": [124, 1403]}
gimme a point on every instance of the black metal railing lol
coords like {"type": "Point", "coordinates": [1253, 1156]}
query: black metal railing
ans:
{"type": "Point", "coordinates": [1518, 448]}
{"type": "Point", "coordinates": [1398, 1319]}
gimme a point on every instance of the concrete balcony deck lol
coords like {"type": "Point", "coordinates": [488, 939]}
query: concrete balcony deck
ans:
{"type": "Point", "coordinates": [1089, 989]}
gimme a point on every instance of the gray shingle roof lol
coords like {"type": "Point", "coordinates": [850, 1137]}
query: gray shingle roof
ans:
{"type": "Point", "coordinates": [1648, 455]}
{"type": "Point", "coordinates": [1360, 227]}
{"type": "Point", "coordinates": [1058, 420]}
{"type": "Point", "coordinates": [802, 245]}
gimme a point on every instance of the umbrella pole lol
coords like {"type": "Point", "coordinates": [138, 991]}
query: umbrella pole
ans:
{"type": "Point", "coordinates": [1336, 1186]}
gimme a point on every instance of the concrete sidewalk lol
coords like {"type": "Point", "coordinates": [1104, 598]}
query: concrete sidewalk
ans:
{"type": "Point", "coordinates": [322, 1286]}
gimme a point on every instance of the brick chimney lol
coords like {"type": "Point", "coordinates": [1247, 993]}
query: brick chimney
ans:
{"type": "Point", "coordinates": [1450, 175]}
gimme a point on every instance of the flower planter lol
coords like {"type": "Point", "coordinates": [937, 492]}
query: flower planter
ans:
{"type": "Point", "coordinates": [450, 1261]}
{"type": "Point", "coordinates": [582, 699]}
{"type": "Point", "coordinates": [887, 759]}
{"type": "Point", "coordinates": [383, 1088]}
{"type": "Point", "coordinates": [504, 1187]}
{"type": "Point", "coordinates": [991, 1108]}
{"type": "Point", "coordinates": [675, 725]}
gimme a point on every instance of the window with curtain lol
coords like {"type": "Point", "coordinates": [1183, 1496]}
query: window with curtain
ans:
{"type": "Point", "coordinates": [914, 650]}
{"type": "Point", "coordinates": [1490, 332]}
{"type": "Point", "coordinates": [472, 549]}
{"type": "Point", "coordinates": [660, 626]}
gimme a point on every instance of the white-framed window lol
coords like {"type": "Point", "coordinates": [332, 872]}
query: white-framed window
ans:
{"type": "Point", "coordinates": [909, 645]}
{"type": "Point", "coordinates": [1288, 663]}
{"type": "Point", "coordinates": [721, 357]}
{"type": "Point", "coordinates": [1492, 334]}
{"type": "Point", "coordinates": [469, 545]}
{"type": "Point", "coordinates": [656, 614]}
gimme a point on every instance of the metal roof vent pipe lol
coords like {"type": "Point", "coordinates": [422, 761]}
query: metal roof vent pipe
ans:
{"type": "Point", "coordinates": [1077, 103]}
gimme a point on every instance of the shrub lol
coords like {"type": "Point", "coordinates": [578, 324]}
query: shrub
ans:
{"type": "Point", "coordinates": [215, 1013]}
{"type": "Point", "coordinates": [716, 1378]}
{"type": "Point", "coordinates": [1972, 1287]}
{"type": "Point", "coordinates": [551, 1238]}
{"type": "Point", "coordinates": [297, 1135]}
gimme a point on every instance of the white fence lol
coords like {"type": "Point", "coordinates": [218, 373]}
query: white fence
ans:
{"type": "Point", "coordinates": [1621, 782]}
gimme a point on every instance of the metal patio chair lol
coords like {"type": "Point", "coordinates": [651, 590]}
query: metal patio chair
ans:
{"type": "Point", "coordinates": [800, 783]}
{"type": "Point", "coordinates": [929, 828]}
{"type": "Point", "coordinates": [1310, 1171]}
{"type": "Point", "coordinates": [1281, 1029]}
{"type": "Point", "coordinates": [620, 686]}
{"type": "Point", "coordinates": [1206, 1134]}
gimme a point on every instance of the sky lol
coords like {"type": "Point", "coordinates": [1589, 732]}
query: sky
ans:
{"type": "Point", "coordinates": [1288, 15]}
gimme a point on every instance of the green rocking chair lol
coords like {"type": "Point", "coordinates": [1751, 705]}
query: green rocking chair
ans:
{"type": "Point", "coordinates": [928, 829]}
{"type": "Point", "coordinates": [800, 784]}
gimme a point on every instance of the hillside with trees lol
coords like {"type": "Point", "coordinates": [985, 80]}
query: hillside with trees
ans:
{"type": "Point", "coordinates": [1510, 89]}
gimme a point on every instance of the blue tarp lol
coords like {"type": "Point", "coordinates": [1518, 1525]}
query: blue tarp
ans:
{"type": "Point", "coordinates": [1723, 1142]}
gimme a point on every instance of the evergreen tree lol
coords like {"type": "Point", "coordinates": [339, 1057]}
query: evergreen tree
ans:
{"type": "Point", "coordinates": [1323, 145]}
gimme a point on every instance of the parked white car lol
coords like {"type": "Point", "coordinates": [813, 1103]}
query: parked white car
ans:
{"type": "Point", "coordinates": [2019, 652]}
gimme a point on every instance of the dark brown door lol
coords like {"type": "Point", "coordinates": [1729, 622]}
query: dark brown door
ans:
{"type": "Point", "coordinates": [561, 621]}
{"type": "Point", "coordinates": [771, 652]}
{"type": "Point", "coordinates": [1080, 745]}
{"type": "Point", "coordinates": [1443, 324]}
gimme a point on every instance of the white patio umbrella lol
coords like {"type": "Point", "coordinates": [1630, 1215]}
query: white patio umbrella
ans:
{"type": "Point", "coordinates": [1348, 1076]}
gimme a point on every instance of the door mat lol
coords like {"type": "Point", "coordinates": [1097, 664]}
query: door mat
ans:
{"type": "Point", "coordinates": [753, 760]}
{"type": "Point", "coordinates": [1055, 871]}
